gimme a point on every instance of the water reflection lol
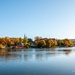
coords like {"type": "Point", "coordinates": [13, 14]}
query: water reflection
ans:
{"type": "Point", "coordinates": [37, 62]}
{"type": "Point", "coordinates": [28, 54]}
{"type": "Point", "coordinates": [67, 51]}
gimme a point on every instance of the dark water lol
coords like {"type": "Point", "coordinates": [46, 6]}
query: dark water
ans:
{"type": "Point", "coordinates": [54, 61]}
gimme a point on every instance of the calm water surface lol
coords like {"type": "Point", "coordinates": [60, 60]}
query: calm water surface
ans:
{"type": "Point", "coordinates": [47, 61]}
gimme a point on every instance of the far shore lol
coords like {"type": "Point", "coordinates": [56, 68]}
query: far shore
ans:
{"type": "Point", "coordinates": [4, 50]}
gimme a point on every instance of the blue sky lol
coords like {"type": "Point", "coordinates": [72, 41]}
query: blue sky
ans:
{"type": "Point", "coordinates": [46, 18]}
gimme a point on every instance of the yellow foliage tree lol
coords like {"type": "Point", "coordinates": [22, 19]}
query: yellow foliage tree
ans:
{"type": "Point", "coordinates": [37, 38]}
{"type": "Point", "coordinates": [41, 43]}
{"type": "Point", "coordinates": [1, 46]}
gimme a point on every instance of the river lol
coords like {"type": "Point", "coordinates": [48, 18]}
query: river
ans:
{"type": "Point", "coordinates": [44, 61]}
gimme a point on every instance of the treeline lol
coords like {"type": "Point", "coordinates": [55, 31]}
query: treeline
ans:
{"type": "Point", "coordinates": [39, 42]}
{"type": "Point", "coordinates": [49, 42]}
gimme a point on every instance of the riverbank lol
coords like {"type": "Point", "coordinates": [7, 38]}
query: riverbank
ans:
{"type": "Point", "coordinates": [8, 49]}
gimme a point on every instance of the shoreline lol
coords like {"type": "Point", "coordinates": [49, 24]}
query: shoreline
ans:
{"type": "Point", "coordinates": [33, 47]}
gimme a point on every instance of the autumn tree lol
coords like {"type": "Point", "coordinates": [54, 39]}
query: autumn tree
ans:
{"type": "Point", "coordinates": [55, 42]}
{"type": "Point", "coordinates": [2, 41]}
{"type": "Point", "coordinates": [71, 43]}
{"type": "Point", "coordinates": [49, 42]}
{"type": "Point", "coordinates": [8, 41]}
{"type": "Point", "coordinates": [37, 38]}
{"type": "Point", "coordinates": [68, 42]}
{"type": "Point", "coordinates": [20, 40]}
{"type": "Point", "coordinates": [1, 46]}
{"type": "Point", "coordinates": [41, 43]}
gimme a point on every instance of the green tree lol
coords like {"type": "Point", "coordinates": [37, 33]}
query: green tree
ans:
{"type": "Point", "coordinates": [26, 43]}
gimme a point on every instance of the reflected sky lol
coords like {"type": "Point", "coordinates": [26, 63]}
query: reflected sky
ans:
{"type": "Point", "coordinates": [38, 62]}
